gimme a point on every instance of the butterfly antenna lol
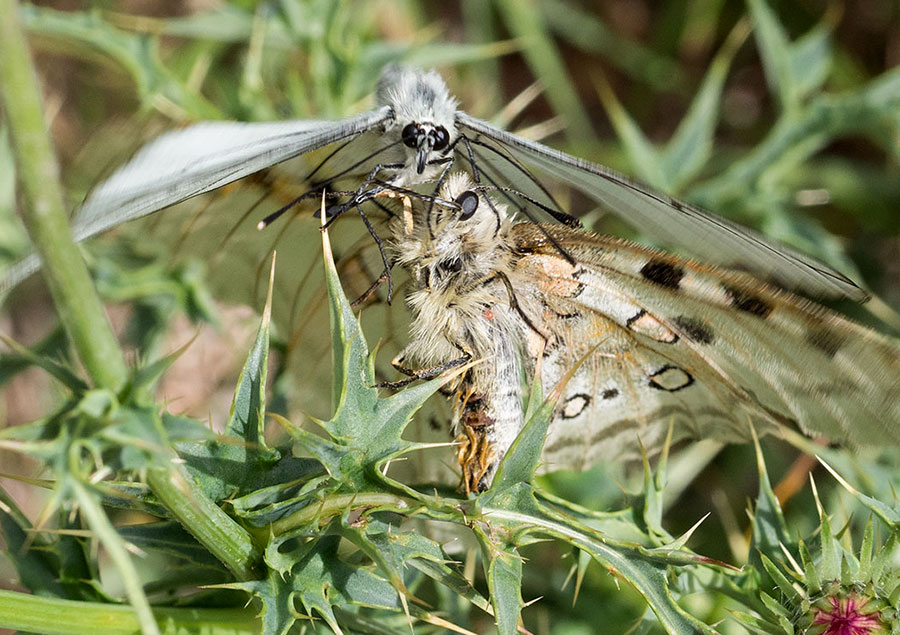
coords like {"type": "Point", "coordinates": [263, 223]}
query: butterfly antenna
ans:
{"type": "Point", "coordinates": [413, 194]}
{"type": "Point", "coordinates": [571, 220]}
{"type": "Point", "coordinates": [493, 181]}
{"type": "Point", "coordinates": [556, 211]}
{"type": "Point", "coordinates": [507, 193]}
{"type": "Point", "coordinates": [437, 188]}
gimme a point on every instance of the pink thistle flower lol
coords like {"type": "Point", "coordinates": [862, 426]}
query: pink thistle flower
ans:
{"type": "Point", "coordinates": [847, 616]}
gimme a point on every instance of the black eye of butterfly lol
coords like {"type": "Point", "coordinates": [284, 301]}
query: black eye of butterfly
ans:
{"type": "Point", "coordinates": [468, 201]}
{"type": "Point", "coordinates": [410, 135]}
{"type": "Point", "coordinates": [441, 138]}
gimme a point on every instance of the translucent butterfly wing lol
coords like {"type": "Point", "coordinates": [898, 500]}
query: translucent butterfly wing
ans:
{"type": "Point", "coordinates": [185, 163]}
{"type": "Point", "coordinates": [710, 350]}
{"type": "Point", "coordinates": [609, 411]}
{"type": "Point", "coordinates": [663, 218]}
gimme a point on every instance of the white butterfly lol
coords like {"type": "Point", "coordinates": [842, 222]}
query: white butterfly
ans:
{"type": "Point", "coordinates": [660, 340]}
{"type": "Point", "coordinates": [417, 135]}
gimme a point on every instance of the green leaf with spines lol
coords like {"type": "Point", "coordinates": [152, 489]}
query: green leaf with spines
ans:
{"type": "Point", "coordinates": [889, 514]}
{"type": "Point", "coordinates": [22, 356]}
{"type": "Point", "coordinates": [427, 556]}
{"type": "Point", "coordinates": [810, 573]}
{"type": "Point", "coordinates": [503, 571]}
{"type": "Point", "coordinates": [774, 606]}
{"type": "Point", "coordinates": [770, 532]}
{"type": "Point", "coordinates": [865, 551]}
{"type": "Point", "coordinates": [38, 570]}
{"type": "Point", "coordinates": [782, 583]}
{"type": "Point", "coordinates": [365, 430]}
{"type": "Point", "coordinates": [829, 566]}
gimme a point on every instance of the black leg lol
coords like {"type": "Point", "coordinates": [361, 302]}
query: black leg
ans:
{"type": "Point", "coordinates": [423, 373]}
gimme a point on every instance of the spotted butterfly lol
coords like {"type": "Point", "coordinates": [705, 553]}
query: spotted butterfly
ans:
{"type": "Point", "coordinates": [654, 340]}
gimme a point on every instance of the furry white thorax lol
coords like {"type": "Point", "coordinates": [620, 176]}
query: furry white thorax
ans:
{"type": "Point", "coordinates": [415, 96]}
{"type": "Point", "coordinates": [454, 267]}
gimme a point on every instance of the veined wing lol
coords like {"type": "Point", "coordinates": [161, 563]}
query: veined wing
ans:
{"type": "Point", "coordinates": [708, 349]}
{"type": "Point", "coordinates": [185, 163]}
{"type": "Point", "coordinates": [664, 218]}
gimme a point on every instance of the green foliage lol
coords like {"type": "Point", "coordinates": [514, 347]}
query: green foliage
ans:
{"type": "Point", "coordinates": [829, 588]}
{"type": "Point", "coordinates": [316, 531]}
{"type": "Point", "coordinates": [339, 538]}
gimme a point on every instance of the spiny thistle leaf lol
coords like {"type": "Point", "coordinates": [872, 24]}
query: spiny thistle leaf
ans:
{"type": "Point", "coordinates": [58, 371]}
{"type": "Point", "coordinates": [654, 490]}
{"type": "Point", "coordinates": [145, 376]}
{"type": "Point", "coordinates": [320, 579]}
{"type": "Point", "coordinates": [829, 549]}
{"type": "Point", "coordinates": [240, 461]}
{"type": "Point", "coordinates": [415, 550]}
{"type": "Point", "coordinates": [503, 570]}
{"type": "Point", "coordinates": [37, 569]}
{"type": "Point", "coordinates": [890, 514]}
{"type": "Point", "coordinates": [770, 531]}
{"type": "Point", "coordinates": [246, 419]}
{"type": "Point", "coordinates": [365, 430]}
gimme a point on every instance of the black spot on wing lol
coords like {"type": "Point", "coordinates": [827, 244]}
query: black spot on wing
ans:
{"type": "Point", "coordinates": [575, 405]}
{"type": "Point", "coordinates": [824, 340]}
{"type": "Point", "coordinates": [671, 378]}
{"type": "Point", "coordinates": [634, 318]}
{"type": "Point", "coordinates": [663, 273]}
{"type": "Point", "coordinates": [747, 303]}
{"type": "Point", "coordinates": [694, 329]}
{"type": "Point", "coordinates": [610, 393]}
{"type": "Point", "coordinates": [562, 314]}
{"type": "Point", "coordinates": [580, 288]}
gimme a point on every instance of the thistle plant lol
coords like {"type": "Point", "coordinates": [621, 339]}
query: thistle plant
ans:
{"type": "Point", "coordinates": [331, 538]}
{"type": "Point", "coordinates": [825, 588]}
{"type": "Point", "coordinates": [313, 529]}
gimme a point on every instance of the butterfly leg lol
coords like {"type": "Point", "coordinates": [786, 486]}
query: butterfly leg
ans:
{"type": "Point", "coordinates": [363, 193]}
{"type": "Point", "coordinates": [416, 374]}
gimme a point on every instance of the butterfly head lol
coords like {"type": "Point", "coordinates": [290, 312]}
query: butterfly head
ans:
{"type": "Point", "coordinates": [424, 115]}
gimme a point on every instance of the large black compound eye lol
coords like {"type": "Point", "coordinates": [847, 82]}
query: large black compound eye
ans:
{"type": "Point", "coordinates": [441, 138]}
{"type": "Point", "coordinates": [468, 201]}
{"type": "Point", "coordinates": [410, 135]}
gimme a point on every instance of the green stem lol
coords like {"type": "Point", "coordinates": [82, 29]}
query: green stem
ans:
{"type": "Point", "coordinates": [211, 526]}
{"type": "Point", "coordinates": [115, 547]}
{"type": "Point", "coordinates": [79, 307]}
{"type": "Point", "coordinates": [30, 613]}
{"type": "Point", "coordinates": [334, 505]}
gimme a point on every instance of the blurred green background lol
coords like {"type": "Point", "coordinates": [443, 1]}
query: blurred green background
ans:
{"type": "Point", "coordinates": [785, 116]}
